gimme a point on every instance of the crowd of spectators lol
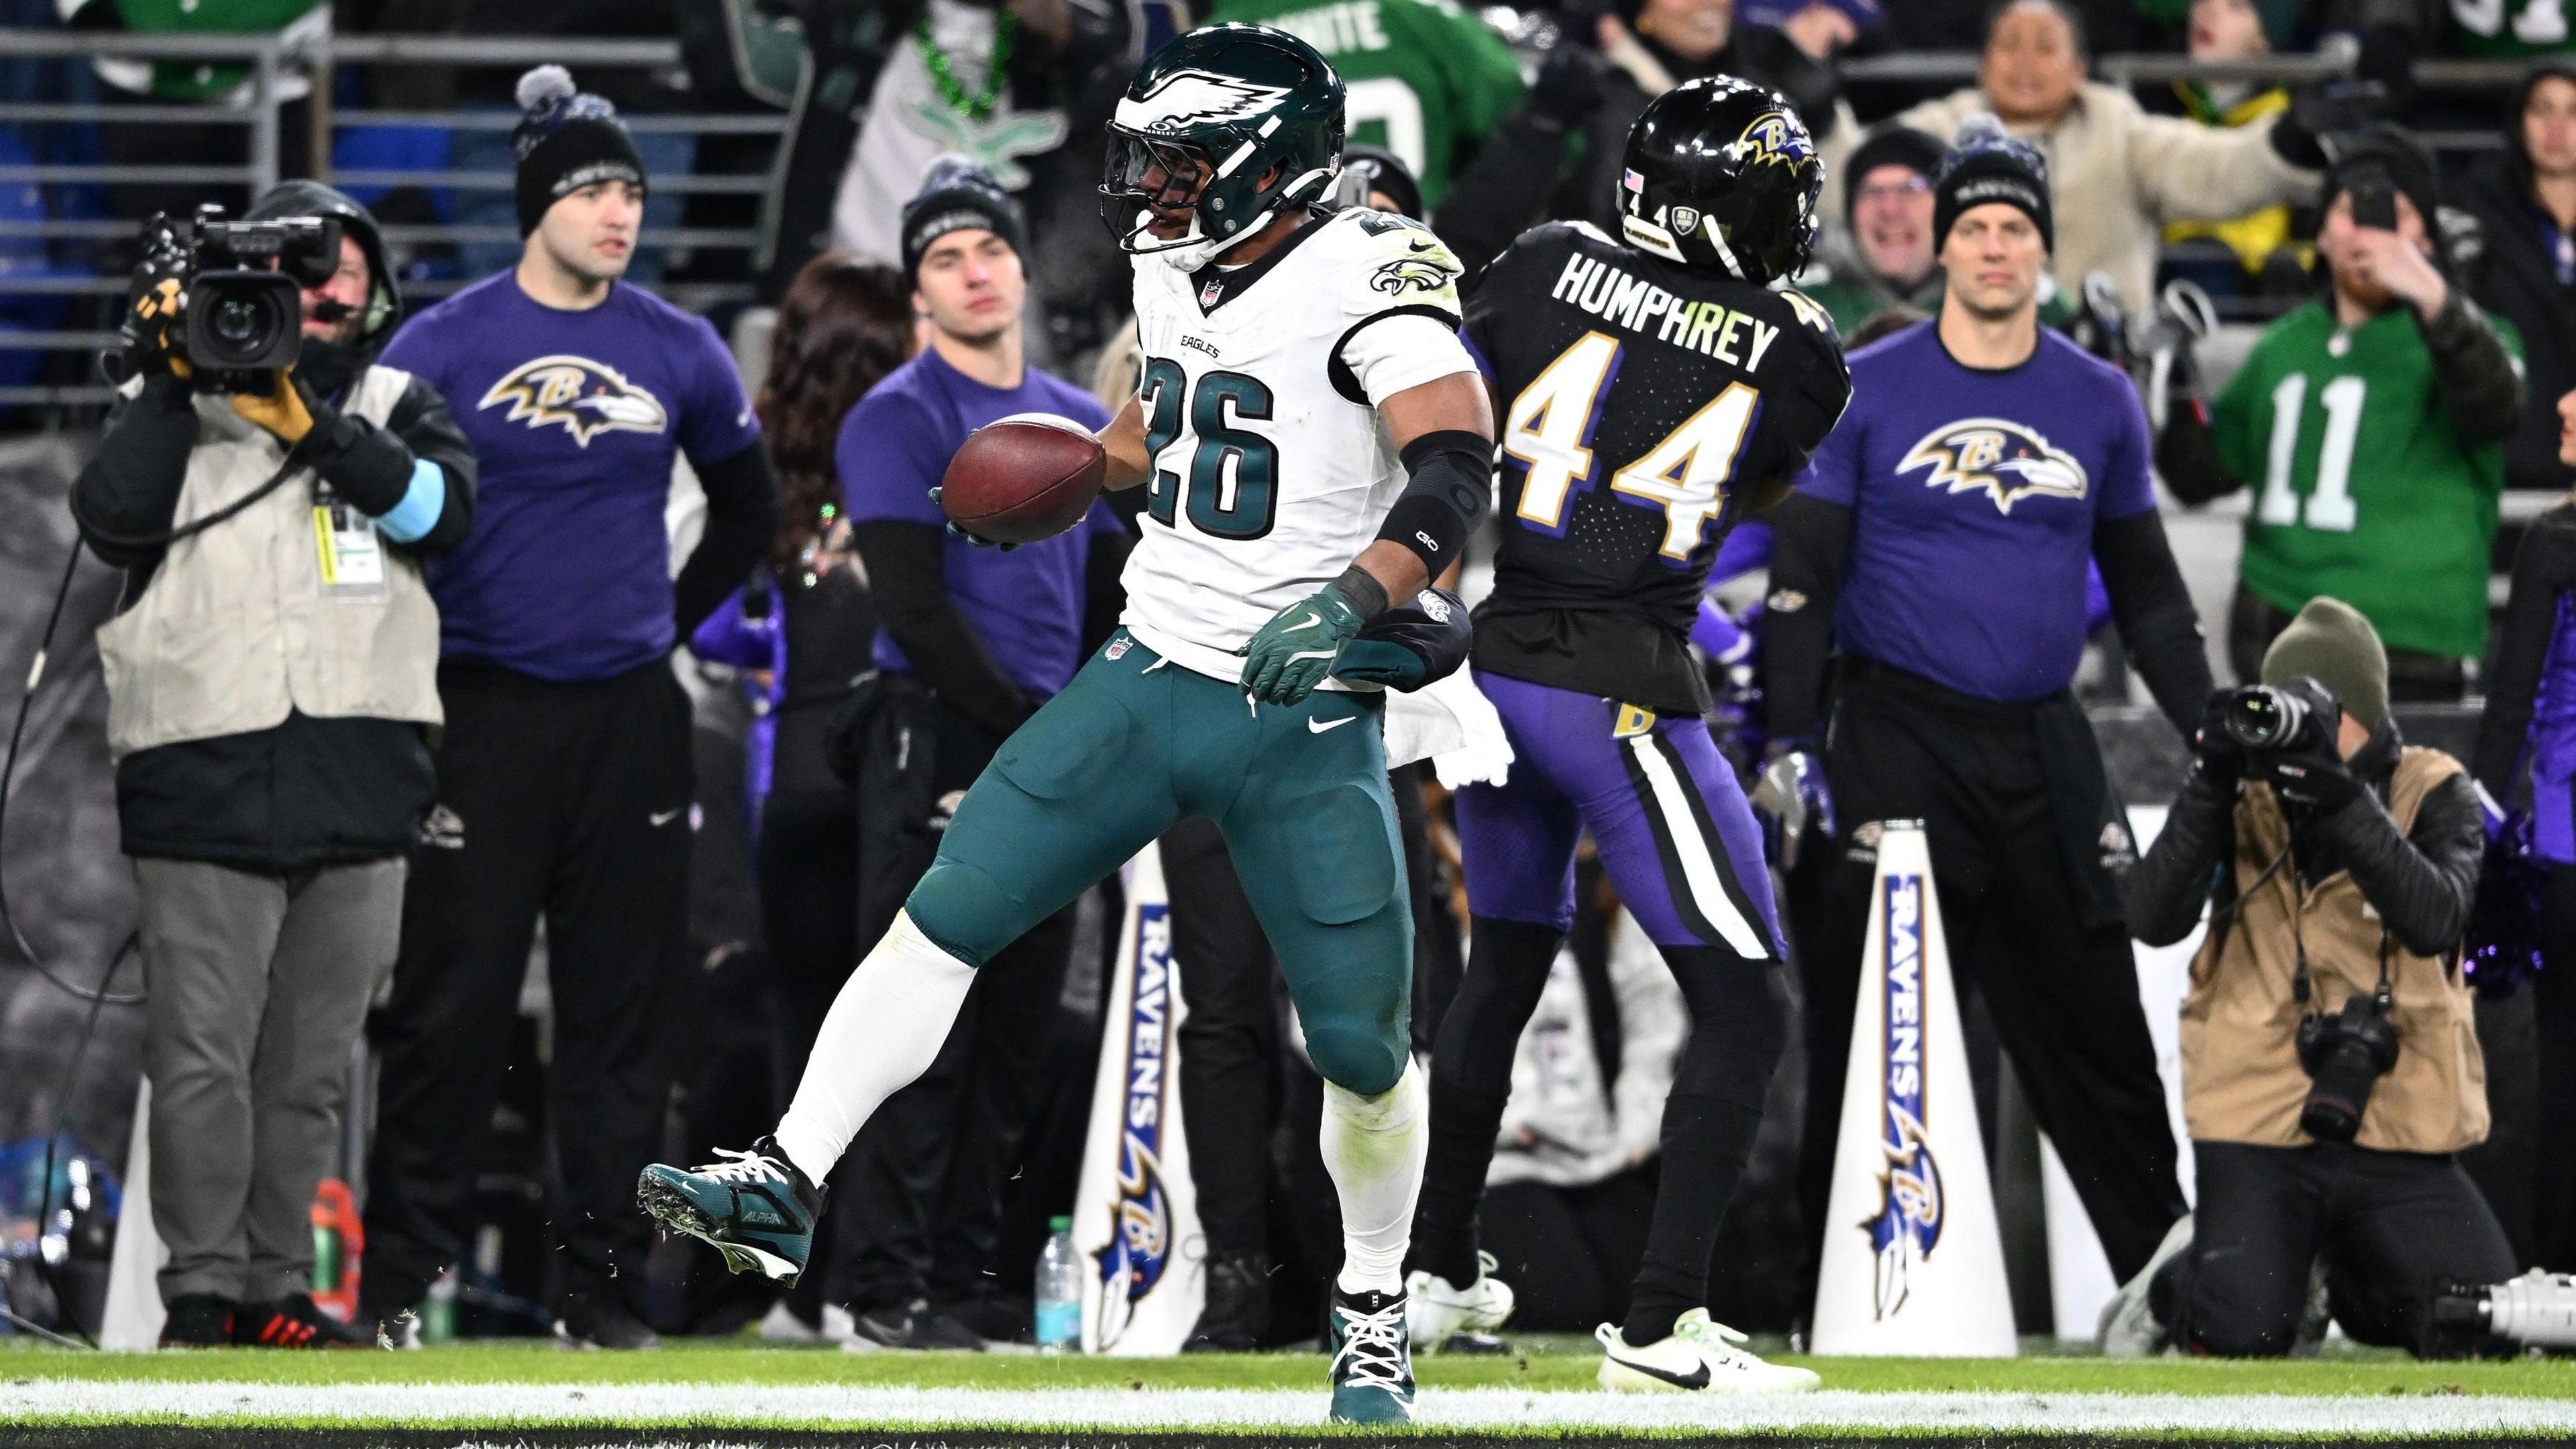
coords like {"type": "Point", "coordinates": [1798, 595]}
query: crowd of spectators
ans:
{"type": "Point", "coordinates": [935, 260]}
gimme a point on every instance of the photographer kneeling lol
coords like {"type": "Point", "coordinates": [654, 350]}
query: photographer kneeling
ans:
{"type": "Point", "coordinates": [2330, 1068]}
{"type": "Point", "coordinates": [271, 672]}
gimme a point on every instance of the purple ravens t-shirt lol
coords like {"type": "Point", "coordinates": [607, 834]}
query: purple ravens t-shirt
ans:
{"type": "Point", "coordinates": [1026, 605]}
{"type": "Point", "coordinates": [1974, 494]}
{"type": "Point", "coordinates": [575, 417]}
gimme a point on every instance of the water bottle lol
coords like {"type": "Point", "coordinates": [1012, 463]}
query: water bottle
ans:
{"type": "Point", "coordinates": [1059, 1291]}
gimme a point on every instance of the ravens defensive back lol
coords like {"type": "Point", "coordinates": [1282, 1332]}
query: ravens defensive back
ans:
{"type": "Point", "coordinates": [1654, 391]}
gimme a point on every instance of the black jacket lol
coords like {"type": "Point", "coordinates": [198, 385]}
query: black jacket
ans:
{"type": "Point", "coordinates": [2518, 281]}
{"type": "Point", "coordinates": [2421, 881]}
{"type": "Point", "coordinates": [309, 791]}
{"type": "Point", "coordinates": [1521, 178]}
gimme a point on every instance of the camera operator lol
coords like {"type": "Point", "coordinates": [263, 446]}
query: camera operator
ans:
{"type": "Point", "coordinates": [2330, 1068]}
{"type": "Point", "coordinates": [270, 677]}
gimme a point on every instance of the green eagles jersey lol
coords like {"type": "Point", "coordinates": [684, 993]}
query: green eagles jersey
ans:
{"type": "Point", "coordinates": [2361, 488]}
{"type": "Point", "coordinates": [190, 80]}
{"type": "Point", "coordinates": [1426, 80]}
{"type": "Point", "coordinates": [2509, 27]}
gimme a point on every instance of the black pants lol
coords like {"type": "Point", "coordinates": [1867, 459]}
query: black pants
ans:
{"type": "Point", "coordinates": [809, 884]}
{"type": "Point", "coordinates": [2063, 994]}
{"type": "Point", "coordinates": [2554, 1003]}
{"type": "Point", "coordinates": [571, 802]}
{"type": "Point", "coordinates": [923, 1180]}
{"type": "Point", "coordinates": [2394, 1227]}
{"type": "Point", "coordinates": [1570, 1253]}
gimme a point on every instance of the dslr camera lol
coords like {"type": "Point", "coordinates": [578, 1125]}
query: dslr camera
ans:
{"type": "Point", "coordinates": [2297, 717]}
{"type": "Point", "coordinates": [241, 284]}
{"type": "Point", "coordinates": [2345, 1054]}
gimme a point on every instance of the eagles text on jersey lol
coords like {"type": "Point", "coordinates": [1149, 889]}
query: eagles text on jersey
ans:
{"type": "Point", "coordinates": [1270, 469]}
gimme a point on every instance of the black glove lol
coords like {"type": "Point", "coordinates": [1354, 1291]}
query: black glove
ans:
{"type": "Point", "coordinates": [2215, 752]}
{"type": "Point", "coordinates": [976, 539]}
{"type": "Point", "coordinates": [2322, 109]}
{"type": "Point", "coordinates": [1569, 85]}
{"type": "Point", "coordinates": [2320, 780]}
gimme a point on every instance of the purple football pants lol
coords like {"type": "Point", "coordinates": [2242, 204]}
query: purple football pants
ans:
{"type": "Point", "coordinates": [1662, 805]}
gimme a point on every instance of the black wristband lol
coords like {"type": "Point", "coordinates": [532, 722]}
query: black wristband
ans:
{"type": "Point", "coordinates": [1452, 477]}
{"type": "Point", "coordinates": [1364, 592]}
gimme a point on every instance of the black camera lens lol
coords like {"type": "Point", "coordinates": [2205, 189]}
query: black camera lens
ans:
{"type": "Point", "coordinates": [2345, 1054]}
{"type": "Point", "coordinates": [239, 322]}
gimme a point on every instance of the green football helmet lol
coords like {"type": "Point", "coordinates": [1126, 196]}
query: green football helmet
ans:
{"type": "Point", "coordinates": [1233, 122]}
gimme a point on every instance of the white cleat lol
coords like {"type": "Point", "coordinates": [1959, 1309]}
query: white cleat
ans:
{"type": "Point", "coordinates": [1435, 1310]}
{"type": "Point", "coordinates": [1700, 1357]}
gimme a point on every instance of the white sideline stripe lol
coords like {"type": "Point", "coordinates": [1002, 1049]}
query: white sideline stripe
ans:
{"type": "Point", "coordinates": [1697, 866]}
{"type": "Point", "coordinates": [1110, 1408]}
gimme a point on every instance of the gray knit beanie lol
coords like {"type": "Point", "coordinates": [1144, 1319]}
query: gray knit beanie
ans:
{"type": "Point", "coordinates": [2331, 643]}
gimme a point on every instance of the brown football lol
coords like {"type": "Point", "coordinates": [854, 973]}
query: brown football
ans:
{"type": "Point", "coordinates": [1023, 478]}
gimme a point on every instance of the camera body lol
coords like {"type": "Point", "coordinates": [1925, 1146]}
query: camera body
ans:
{"type": "Point", "coordinates": [241, 284]}
{"type": "Point", "coordinates": [2345, 1054]}
{"type": "Point", "coordinates": [2297, 717]}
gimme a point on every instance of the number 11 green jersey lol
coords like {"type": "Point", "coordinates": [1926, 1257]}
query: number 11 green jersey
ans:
{"type": "Point", "coordinates": [2362, 488]}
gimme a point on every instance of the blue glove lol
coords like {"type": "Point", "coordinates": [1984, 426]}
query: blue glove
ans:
{"type": "Point", "coordinates": [976, 539]}
{"type": "Point", "coordinates": [1296, 649]}
{"type": "Point", "coordinates": [1790, 796]}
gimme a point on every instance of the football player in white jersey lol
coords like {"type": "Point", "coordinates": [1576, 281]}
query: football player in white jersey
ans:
{"type": "Point", "coordinates": [1315, 442]}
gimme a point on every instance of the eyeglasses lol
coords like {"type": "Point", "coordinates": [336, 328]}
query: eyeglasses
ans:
{"type": "Point", "coordinates": [1911, 186]}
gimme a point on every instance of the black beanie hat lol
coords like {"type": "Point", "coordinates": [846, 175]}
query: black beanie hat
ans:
{"type": "Point", "coordinates": [2384, 152]}
{"type": "Point", "coordinates": [1916, 151]}
{"type": "Point", "coordinates": [1379, 169]}
{"type": "Point", "coordinates": [1985, 165]}
{"type": "Point", "coordinates": [566, 141]}
{"type": "Point", "coordinates": [955, 195]}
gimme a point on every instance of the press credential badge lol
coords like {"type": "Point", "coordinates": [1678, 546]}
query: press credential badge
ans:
{"type": "Point", "coordinates": [351, 554]}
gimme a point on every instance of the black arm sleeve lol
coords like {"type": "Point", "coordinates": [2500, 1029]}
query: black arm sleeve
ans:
{"type": "Point", "coordinates": [2154, 613]}
{"type": "Point", "coordinates": [130, 489]}
{"type": "Point", "coordinates": [908, 575]}
{"type": "Point", "coordinates": [2187, 459]}
{"type": "Point", "coordinates": [2480, 385]}
{"type": "Point", "coordinates": [2544, 567]}
{"type": "Point", "coordinates": [742, 517]}
{"type": "Point", "coordinates": [1504, 191]}
{"type": "Point", "coordinates": [1811, 546]}
{"type": "Point", "coordinates": [2163, 893]}
{"type": "Point", "coordinates": [2422, 882]}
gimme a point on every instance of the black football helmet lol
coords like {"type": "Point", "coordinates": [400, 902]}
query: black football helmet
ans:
{"type": "Point", "coordinates": [1234, 102]}
{"type": "Point", "coordinates": [1722, 176]}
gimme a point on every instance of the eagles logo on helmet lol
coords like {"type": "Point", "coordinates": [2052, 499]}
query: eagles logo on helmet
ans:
{"type": "Point", "coordinates": [1720, 175]}
{"type": "Point", "coordinates": [1233, 123]}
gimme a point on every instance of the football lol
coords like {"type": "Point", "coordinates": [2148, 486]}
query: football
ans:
{"type": "Point", "coordinates": [1023, 478]}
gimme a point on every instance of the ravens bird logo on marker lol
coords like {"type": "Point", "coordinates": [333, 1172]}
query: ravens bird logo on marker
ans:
{"type": "Point", "coordinates": [586, 398]}
{"type": "Point", "coordinates": [2008, 461]}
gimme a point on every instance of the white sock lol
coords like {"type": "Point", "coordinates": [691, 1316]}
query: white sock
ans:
{"type": "Point", "coordinates": [1374, 1147]}
{"type": "Point", "coordinates": [888, 1022]}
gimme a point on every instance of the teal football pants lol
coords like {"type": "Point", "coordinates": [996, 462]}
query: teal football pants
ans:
{"type": "Point", "coordinates": [1135, 743]}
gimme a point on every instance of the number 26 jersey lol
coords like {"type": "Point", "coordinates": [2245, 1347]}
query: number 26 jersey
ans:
{"type": "Point", "coordinates": [1270, 470]}
{"type": "Point", "coordinates": [1641, 402]}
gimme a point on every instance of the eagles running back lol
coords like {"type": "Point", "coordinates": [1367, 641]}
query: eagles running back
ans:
{"type": "Point", "coordinates": [1641, 402]}
{"type": "Point", "coordinates": [1271, 470]}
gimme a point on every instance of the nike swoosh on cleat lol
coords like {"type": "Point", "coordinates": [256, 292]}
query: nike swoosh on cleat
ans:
{"type": "Point", "coordinates": [665, 817]}
{"type": "Point", "coordinates": [1317, 726]}
{"type": "Point", "coordinates": [1695, 1379]}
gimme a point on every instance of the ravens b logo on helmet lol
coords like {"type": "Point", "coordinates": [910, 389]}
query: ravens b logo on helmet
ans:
{"type": "Point", "coordinates": [2007, 460]}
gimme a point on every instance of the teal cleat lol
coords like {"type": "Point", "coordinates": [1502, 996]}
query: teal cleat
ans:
{"type": "Point", "coordinates": [753, 1207]}
{"type": "Point", "coordinates": [1372, 1359]}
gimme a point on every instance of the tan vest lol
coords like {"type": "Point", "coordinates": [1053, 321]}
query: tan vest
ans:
{"type": "Point", "coordinates": [2241, 1078]}
{"type": "Point", "coordinates": [236, 626]}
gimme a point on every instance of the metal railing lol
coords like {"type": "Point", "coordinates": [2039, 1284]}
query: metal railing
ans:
{"type": "Point", "coordinates": [301, 61]}
{"type": "Point", "coordinates": [279, 69]}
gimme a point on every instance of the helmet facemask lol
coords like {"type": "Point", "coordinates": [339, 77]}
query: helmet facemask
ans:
{"type": "Point", "coordinates": [1141, 174]}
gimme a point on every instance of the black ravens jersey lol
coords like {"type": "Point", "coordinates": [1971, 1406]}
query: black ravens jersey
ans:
{"type": "Point", "coordinates": [1643, 402]}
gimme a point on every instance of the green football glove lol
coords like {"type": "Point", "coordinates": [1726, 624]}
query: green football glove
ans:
{"type": "Point", "coordinates": [1296, 649]}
